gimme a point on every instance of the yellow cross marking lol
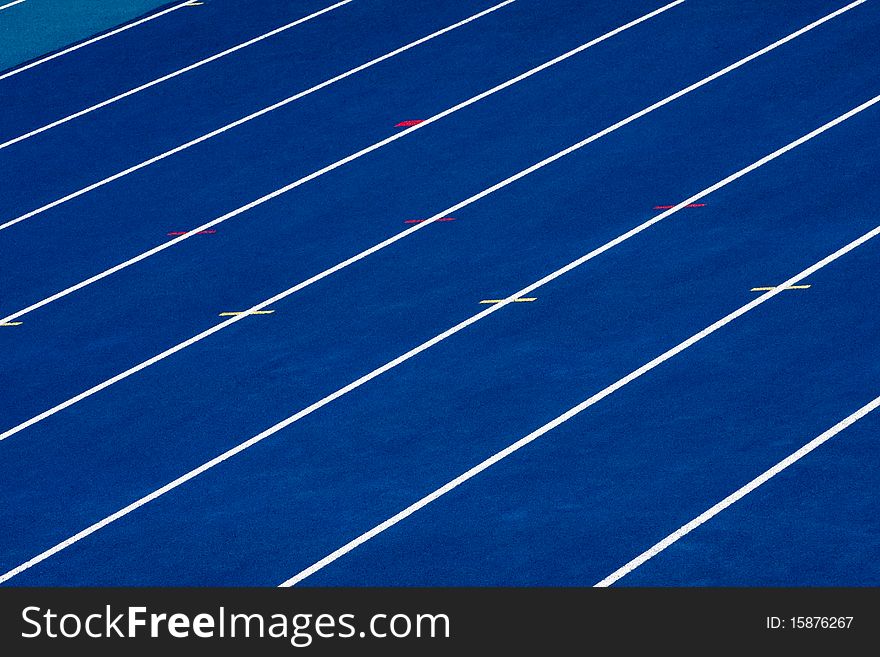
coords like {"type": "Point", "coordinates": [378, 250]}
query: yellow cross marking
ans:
{"type": "Point", "coordinates": [254, 312]}
{"type": "Point", "coordinates": [520, 300]}
{"type": "Point", "coordinates": [790, 287]}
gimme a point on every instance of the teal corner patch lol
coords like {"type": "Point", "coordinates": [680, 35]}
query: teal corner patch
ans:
{"type": "Point", "coordinates": [35, 28]}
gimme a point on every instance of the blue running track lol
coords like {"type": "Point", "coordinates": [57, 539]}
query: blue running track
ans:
{"type": "Point", "coordinates": [150, 437]}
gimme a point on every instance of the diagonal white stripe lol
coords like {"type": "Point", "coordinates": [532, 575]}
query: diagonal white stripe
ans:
{"type": "Point", "coordinates": [761, 479]}
{"type": "Point", "coordinates": [11, 4]}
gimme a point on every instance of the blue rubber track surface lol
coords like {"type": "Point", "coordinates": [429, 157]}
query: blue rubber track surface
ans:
{"type": "Point", "coordinates": [565, 510]}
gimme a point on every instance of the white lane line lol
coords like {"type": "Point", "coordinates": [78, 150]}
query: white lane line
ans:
{"type": "Point", "coordinates": [249, 117]}
{"type": "Point", "coordinates": [617, 385]}
{"type": "Point", "coordinates": [394, 363]}
{"type": "Point", "coordinates": [419, 126]}
{"type": "Point", "coordinates": [165, 78]}
{"type": "Point", "coordinates": [11, 4]}
{"type": "Point", "coordinates": [89, 42]}
{"type": "Point", "coordinates": [299, 286]}
{"type": "Point", "coordinates": [761, 479]}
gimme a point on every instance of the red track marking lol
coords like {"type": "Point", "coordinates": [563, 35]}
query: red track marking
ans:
{"type": "Point", "coordinates": [418, 221]}
{"type": "Point", "coordinates": [692, 205]}
{"type": "Point", "coordinates": [406, 124]}
{"type": "Point", "coordinates": [201, 232]}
